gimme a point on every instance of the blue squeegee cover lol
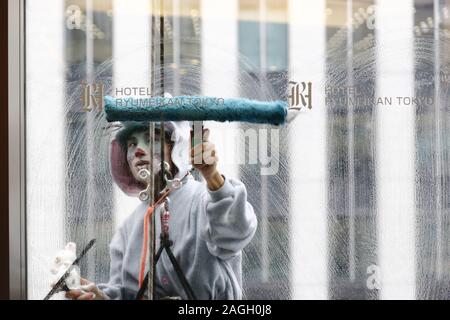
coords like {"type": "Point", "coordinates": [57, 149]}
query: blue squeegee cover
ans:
{"type": "Point", "coordinates": [195, 108]}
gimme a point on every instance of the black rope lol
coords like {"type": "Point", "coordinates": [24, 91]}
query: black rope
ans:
{"type": "Point", "coordinates": [166, 244]}
{"type": "Point", "coordinates": [187, 288]}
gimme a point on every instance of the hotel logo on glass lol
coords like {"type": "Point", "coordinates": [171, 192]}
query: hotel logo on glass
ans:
{"type": "Point", "coordinates": [300, 95]}
{"type": "Point", "coordinates": [92, 96]}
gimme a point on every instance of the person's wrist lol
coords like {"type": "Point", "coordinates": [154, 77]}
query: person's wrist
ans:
{"type": "Point", "coordinates": [215, 180]}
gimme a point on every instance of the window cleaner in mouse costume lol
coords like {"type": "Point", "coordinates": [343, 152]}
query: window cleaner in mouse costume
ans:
{"type": "Point", "coordinates": [209, 223]}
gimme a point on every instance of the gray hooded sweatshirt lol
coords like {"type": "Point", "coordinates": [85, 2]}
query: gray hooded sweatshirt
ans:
{"type": "Point", "coordinates": [208, 228]}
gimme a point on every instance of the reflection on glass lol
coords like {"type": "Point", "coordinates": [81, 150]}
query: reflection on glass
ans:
{"type": "Point", "coordinates": [355, 205]}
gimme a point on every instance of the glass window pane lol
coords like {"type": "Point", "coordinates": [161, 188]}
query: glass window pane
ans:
{"type": "Point", "coordinates": [351, 195]}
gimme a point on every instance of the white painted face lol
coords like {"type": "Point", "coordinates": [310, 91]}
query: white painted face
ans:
{"type": "Point", "coordinates": [138, 154]}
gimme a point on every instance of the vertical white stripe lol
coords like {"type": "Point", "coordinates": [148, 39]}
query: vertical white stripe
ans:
{"type": "Point", "coordinates": [45, 139]}
{"type": "Point", "coordinates": [264, 223]}
{"type": "Point", "coordinates": [438, 157]}
{"type": "Point", "coordinates": [308, 147]}
{"type": "Point", "coordinates": [350, 149]}
{"type": "Point", "coordinates": [90, 127]}
{"type": "Point", "coordinates": [219, 60]}
{"type": "Point", "coordinates": [395, 149]}
{"type": "Point", "coordinates": [131, 58]}
{"type": "Point", "coordinates": [176, 27]}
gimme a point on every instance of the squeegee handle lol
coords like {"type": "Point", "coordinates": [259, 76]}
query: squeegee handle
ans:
{"type": "Point", "coordinates": [60, 283]}
{"type": "Point", "coordinates": [197, 137]}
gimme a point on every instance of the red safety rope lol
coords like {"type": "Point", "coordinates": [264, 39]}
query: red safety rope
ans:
{"type": "Point", "coordinates": [147, 218]}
